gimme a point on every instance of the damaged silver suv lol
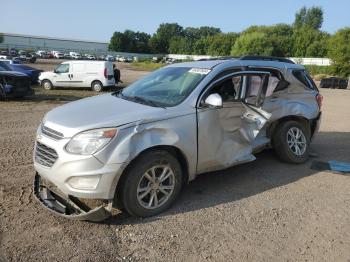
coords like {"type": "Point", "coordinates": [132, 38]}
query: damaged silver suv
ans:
{"type": "Point", "coordinates": [135, 149]}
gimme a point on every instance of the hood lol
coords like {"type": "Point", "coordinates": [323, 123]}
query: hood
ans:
{"type": "Point", "coordinates": [46, 74]}
{"type": "Point", "coordinates": [97, 112]}
{"type": "Point", "coordinates": [12, 73]}
{"type": "Point", "coordinates": [24, 68]}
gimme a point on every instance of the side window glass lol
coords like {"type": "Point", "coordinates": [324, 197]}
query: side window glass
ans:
{"type": "Point", "coordinates": [253, 86]}
{"type": "Point", "coordinates": [228, 89]}
{"type": "Point", "coordinates": [273, 82]}
{"type": "Point", "coordinates": [301, 76]}
{"type": "Point", "coordinates": [256, 89]}
{"type": "Point", "coordinates": [312, 83]}
{"type": "Point", "coordinates": [63, 68]}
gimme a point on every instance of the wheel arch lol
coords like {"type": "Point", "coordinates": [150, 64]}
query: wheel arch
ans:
{"type": "Point", "coordinates": [46, 79]}
{"type": "Point", "coordinates": [95, 80]}
{"type": "Point", "coordinates": [173, 150]}
{"type": "Point", "coordinates": [272, 127]}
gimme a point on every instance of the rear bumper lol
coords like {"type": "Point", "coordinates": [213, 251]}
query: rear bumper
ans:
{"type": "Point", "coordinates": [315, 125]}
{"type": "Point", "coordinates": [68, 206]}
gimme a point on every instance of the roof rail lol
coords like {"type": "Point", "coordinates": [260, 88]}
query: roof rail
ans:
{"type": "Point", "coordinates": [267, 58]}
{"type": "Point", "coordinates": [218, 58]}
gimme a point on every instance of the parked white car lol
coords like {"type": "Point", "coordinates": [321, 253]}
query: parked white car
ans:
{"type": "Point", "coordinates": [91, 57]}
{"type": "Point", "coordinates": [75, 55]}
{"type": "Point", "coordinates": [42, 54]}
{"type": "Point", "coordinates": [109, 58]}
{"type": "Point", "coordinates": [57, 54]}
{"type": "Point", "coordinates": [94, 74]}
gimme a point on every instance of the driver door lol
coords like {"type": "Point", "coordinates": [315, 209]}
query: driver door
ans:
{"type": "Point", "coordinates": [61, 75]}
{"type": "Point", "coordinates": [226, 133]}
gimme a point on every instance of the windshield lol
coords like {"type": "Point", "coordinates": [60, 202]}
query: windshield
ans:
{"type": "Point", "coordinates": [165, 87]}
{"type": "Point", "coordinates": [4, 66]}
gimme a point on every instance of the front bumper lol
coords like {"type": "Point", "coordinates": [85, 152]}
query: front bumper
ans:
{"type": "Point", "coordinates": [68, 206]}
{"type": "Point", "coordinates": [68, 166]}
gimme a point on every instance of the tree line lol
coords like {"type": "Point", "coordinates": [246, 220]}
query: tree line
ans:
{"type": "Point", "coordinates": [303, 38]}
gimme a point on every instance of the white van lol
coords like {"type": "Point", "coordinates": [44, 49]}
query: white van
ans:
{"type": "Point", "coordinates": [94, 74]}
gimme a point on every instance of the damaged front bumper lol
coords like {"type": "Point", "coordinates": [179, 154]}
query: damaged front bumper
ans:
{"type": "Point", "coordinates": [68, 206]}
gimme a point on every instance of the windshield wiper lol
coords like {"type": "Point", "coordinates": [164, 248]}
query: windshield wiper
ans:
{"type": "Point", "coordinates": [139, 99]}
{"type": "Point", "coordinates": [144, 101]}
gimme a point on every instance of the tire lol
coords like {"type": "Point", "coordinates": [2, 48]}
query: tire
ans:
{"type": "Point", "coordinates": [96, 86]}
{"type": "Point", "coordinates": [137, 184]}
{"type": "Point", "coordinates": [283, 142]}
{"type": "Point", "coordinates": [46, 84]}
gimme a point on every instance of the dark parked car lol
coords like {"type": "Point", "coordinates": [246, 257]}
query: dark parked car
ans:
{"type": "Point", "coordinates": [334, 82]}
{"type": "Point", "coordinates": [29, 71]}
{"type": "Point", "coordinates": [29, 58]}
{"type": "Point", "coordinates": [13, 84]}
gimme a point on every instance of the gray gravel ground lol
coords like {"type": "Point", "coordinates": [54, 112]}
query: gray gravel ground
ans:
{"type": "Point", "coordinates": [262, 211]}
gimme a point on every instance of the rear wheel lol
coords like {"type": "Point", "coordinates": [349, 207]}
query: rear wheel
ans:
{"type": "Point", "coordinates": [152, 184]}
{"type": "Point", "coordinates": [47, 85]}
{"type": "Point", "coordinates": [96, 86]}
{"type": "Point", "coordinates": [291, 141]}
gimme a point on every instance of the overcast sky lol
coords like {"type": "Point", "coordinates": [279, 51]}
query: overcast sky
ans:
{"type": "Point", "coordinates": [97, 20]}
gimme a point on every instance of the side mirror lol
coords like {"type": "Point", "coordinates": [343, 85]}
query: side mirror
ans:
{"type": "Point", "coordinates": [214, 100]}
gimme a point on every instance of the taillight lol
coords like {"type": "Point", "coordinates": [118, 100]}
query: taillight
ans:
{"type": "Point", "coordinates": [319, 99]}
{"type": "Point", "coordinates": [105, 73]}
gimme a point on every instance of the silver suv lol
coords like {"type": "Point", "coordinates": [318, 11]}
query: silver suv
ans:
{"type": "Point", "coordinates": [135, 149]}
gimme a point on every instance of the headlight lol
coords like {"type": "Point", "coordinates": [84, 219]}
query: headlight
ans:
{"type": "Point", "coordinates": [89, 142]}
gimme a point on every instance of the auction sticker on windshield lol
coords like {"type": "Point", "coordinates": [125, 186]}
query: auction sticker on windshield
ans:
{"type": "Point", "coordinates": [201, 71]}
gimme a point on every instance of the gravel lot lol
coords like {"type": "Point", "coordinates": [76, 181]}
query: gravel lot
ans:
{"type": "Point", "coordinates": [262, 211]}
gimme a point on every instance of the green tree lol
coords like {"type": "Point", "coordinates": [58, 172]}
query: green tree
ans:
{"type": "Point", "coordinates": [118, 42]}
{"type": "Point", "coordinates": [180, 45]}
{"type": "Point", "coordinates": [339, 51]}
{"type": "Point", "coordinates": [308, 42]}
{"type": "Point", "coordinates": [310, 17]}
{"type": "Point", "coordinates": [205, 31]}
{"type": "Point", "coordinates": [161, 39]}
{"type": "Point", "coordinates": [1, 37]}
{"type": "Point", "coordinates": [200, 47]}
{"type": "Point", "coordinates": [279, 36]}
{"type": "Point", "coordinates": [130, 41]}
{"type": "Point", "coordinates": [221, 44]}
{"type": "Point", "coordinates": [255, 43]}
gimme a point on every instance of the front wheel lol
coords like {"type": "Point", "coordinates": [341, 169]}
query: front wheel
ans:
{"type": "Point", "coordinates": [152, 184]}
{"type": "Point", "coordinates": [291, 141]}
{"type": "Point", "coordinates": [47, 85]}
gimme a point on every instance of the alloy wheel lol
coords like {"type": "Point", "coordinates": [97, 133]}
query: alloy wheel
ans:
{"type": "Point", "coordinates": [156, 186]}
{"type": "Point", "coordinates": [296, 141]}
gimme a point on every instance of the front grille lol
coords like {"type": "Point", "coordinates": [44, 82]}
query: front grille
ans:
{"type": "Point", "coordinates": [45, 155]}
{"type": "Point", "coordinates": [51, 133]}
